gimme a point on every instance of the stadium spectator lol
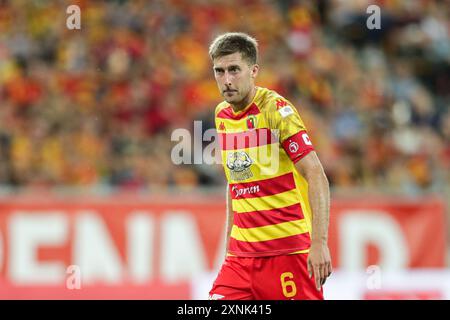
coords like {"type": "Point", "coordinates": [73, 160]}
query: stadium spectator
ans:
{"type": "Point", "coordinates": [97, 106]}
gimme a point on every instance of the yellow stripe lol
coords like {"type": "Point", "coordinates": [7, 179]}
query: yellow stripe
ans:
{"type": "Point", "coordinates": [301, 251]}
{"type": "Point", "coordinates": [296, 252]}
{"type": "Point", "coordinates": [232, 126]}
{"type": "Point", "coordinates": [276, 201]}
{"type": "Point", "coordinates": [275, 231]}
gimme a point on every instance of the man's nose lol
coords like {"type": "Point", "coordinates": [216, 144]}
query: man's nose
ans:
{"type": "Point", "coordinates": [227, 78]}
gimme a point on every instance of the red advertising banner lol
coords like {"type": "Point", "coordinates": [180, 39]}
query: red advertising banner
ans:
{"type": "Point", "coordinates": [394, 233]}
{"type": "Point", "coordinates": [132, 248]}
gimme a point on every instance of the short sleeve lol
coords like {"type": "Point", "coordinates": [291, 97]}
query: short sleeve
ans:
{"type": "Point", "coordinates": [285, 120]}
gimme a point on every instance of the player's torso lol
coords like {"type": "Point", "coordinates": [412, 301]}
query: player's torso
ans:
{"type": "Point", "coordinates": [263, 182]}
{"type": "Point", "coordinates": [249, 146]}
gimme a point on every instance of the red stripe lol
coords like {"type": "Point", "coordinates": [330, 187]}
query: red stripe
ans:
{"type": "Point", "coordinates": [247, 139]}
{"type": "Point", "coordinates": [268, 217]}
{"type": "Point", "coordinates": [270, 247]}
{"type": "Point", "coordinates": [227, 113]}
{"type": "Point", "coordinates": [261, 188]}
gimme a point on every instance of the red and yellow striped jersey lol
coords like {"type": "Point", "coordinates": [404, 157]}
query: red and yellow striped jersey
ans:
{"type": "Point", "coordinates": [260, 146]}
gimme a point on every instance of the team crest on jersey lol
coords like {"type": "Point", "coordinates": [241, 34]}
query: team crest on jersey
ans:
{"type": "Point", "coordinates": [239, 163]}
{"type": "Point", "coordinates": [222, 126]}
{"type": "Point", "coordinates": [251, 122]}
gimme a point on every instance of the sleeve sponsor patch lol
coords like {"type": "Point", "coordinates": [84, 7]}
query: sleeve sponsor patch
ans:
{"type": "Point", "coordinates": [286, 111]}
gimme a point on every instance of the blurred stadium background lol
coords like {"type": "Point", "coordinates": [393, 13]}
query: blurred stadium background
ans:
{"type": "Point", "coordinates": [86, 118]}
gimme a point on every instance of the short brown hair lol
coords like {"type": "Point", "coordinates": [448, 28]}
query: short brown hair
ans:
{"type": "Point", "coordinates": [233, 42]}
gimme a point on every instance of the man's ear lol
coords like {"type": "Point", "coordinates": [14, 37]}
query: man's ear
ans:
{"type": "Point", "coordinates": [255, 70]}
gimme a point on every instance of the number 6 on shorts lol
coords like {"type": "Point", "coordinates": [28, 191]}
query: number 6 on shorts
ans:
{"type": "Point", "coordinates": [289, 288]}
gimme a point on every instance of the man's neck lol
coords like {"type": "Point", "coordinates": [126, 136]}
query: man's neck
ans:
{"type": "Point", "coordinates": [245, 102]}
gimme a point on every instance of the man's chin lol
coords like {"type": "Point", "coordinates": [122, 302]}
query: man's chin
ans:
{"type": "Point", "coordinates": [232, 99]}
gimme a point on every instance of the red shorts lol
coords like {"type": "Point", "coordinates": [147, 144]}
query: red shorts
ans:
{"type": "Point", "coordinates": [282, 277]}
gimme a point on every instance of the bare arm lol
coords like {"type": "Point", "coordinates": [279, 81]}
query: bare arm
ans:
{"type": "Point", "coordinates": [319, 261]}
{"type": "Point", "coordinates": [229, 222]}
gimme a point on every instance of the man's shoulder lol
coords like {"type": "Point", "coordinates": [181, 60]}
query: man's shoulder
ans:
{"type": "Point", "coordinates": [271, 101]}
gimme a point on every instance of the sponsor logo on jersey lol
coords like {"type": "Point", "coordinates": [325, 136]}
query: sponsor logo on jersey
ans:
{"type": "Point", "coordinates": [286, 111]}
{"type": "Point", "coordinates": [247, 190]}
{"type": "Point", "coordinates": [281, 103]}
{"type": "Point", "coordinates": [239, 163]}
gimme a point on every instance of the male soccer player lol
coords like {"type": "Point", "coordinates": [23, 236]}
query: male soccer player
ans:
{"type": "Point", "coordinates": [277, 194]}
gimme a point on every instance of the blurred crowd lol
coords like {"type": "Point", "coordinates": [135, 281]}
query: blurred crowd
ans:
{"type": "Point", "coordinates": [97, 106]}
